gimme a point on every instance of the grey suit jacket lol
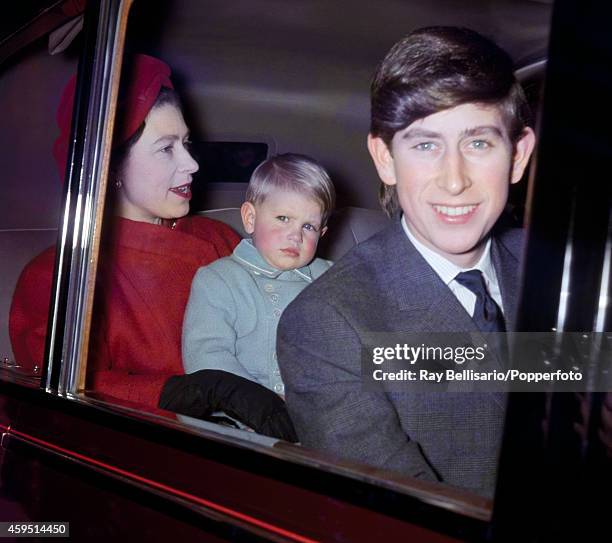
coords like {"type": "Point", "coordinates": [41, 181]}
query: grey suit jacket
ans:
{"type": "Point", "coordinates": [385, 285]}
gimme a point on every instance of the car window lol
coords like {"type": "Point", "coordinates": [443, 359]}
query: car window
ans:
{"type": "Point", "coordinates": [30, 204]}
{"type": "Point", "coordinates": [283, 80]}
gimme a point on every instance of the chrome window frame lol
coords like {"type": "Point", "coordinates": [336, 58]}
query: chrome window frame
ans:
{"type": "Point", "coordinates": [86, 176]}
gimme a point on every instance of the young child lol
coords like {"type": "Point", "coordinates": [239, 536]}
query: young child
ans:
{"type": "Point", "coordinates": [236, 302]}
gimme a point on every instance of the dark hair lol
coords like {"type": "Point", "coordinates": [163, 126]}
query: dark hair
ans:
{"type": "Point", "coordinates": [165, 97]}
{"type": "Point", "coordinates": [293, 172]}
{"type": "Point", "coordinates": [438, 68]}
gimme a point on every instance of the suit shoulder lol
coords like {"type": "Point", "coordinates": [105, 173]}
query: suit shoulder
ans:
{"type": "Point", "coordinates": [513, 239]}
{"type": "Point", "coordinates": [364, 259]}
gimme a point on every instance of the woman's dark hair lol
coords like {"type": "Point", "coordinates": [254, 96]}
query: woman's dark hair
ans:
{"type": "Point", "coordinates": [165, 97]}
{"type": "Point", "coordinates": [438, 68]}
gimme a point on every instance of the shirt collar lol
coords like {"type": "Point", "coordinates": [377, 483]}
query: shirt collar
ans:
{"type": "Point", "coordinates": [247, 254]}
{"type": "Point", "coordinates": [446, 269]}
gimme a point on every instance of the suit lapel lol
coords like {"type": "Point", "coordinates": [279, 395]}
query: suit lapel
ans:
{"type": "Point", "coordinates": [424, 302]}
{"type": "Point", "coordinates": [421, 297]}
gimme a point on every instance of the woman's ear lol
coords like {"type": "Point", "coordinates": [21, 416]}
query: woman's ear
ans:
{"type": "Point", "coordinates": [323, 230]}
{"type": "Point", "coordinates": [247, 214]}
{"type": "Point", "coordinates": [383, 160]}
{"type": "Point", "coordinates": [522, 152]}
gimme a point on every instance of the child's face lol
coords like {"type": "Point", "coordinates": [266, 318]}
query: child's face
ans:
{"type": "Point", "coordinates": [452, 171]}
{"type": "Point", "coordinates": [285, 228]}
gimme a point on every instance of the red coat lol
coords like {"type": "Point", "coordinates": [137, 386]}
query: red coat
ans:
{"type": "Point", "coordinates": [142, 289]}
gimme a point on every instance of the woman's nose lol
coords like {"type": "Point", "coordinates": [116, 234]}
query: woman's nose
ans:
{"type": "Point", "coordinates": [188, 163]}
{"type": "Point", "coordinates": [454, 177]}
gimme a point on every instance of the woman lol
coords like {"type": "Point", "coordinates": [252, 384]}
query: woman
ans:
{"type": "Point", "coordinates": [150, 250]}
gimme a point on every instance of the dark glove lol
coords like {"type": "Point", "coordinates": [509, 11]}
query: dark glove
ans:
{"type": "Point", "coordinates": [204, 392]}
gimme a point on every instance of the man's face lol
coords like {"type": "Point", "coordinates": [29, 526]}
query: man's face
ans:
{"type": "Point", "coordinates": [452, 171]}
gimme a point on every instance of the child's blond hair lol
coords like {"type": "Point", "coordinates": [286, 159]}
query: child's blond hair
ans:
{"type": "Point", "coordinates": [299, 173]}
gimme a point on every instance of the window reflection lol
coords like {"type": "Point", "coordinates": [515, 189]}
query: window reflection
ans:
{"type": "Point", "coordinates": [30, 202]}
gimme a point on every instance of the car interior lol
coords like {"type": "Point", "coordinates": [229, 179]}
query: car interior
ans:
{"type": "Point", "coordinates": [256, 79]}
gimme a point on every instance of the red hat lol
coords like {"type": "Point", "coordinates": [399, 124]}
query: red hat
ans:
{"type": "Point", "coordinates": [141, 82]}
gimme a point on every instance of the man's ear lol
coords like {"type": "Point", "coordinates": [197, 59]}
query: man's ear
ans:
{"type": "Point", "coordinates": [247, 214]}
{"type": "Point", "coordinates": [383, 160]}
{"type": "Point", "coordinates": [522, 152]}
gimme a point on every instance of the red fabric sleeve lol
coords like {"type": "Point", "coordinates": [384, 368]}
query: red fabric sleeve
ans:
{"type": "Point", "coordinates": [139, 389]}
{"type": "Point", "coordinates": [30, 310]}
{"type": "Point", "coordinates": [129, 358]}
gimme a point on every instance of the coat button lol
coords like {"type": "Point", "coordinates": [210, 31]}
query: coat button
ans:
{"type": "Point", "coordinates": [274, 298]}
{"type": "Point", "coordinates": [268, 287]}
{"type": "Point", "coordinates": [279, 388]}
{"type": "Point", "coordinates": [277, 312]}
{"type": "Point", "coordinates": [276, 372]}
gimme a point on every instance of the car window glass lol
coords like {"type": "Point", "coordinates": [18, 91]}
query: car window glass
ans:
{"type": "Point", "coordinates": [297, 81]}
{"type": "Point", "coordinates": [30, 201]}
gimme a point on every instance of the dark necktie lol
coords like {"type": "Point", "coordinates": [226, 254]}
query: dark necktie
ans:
{"type": "Point", "coordinates": [487, 314]}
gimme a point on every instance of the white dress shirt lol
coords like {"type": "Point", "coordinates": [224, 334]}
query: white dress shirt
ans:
{"type": "Point", "coordinates": [447, 271]}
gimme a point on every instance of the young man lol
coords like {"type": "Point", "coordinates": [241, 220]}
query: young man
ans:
{"type": "Point", "coordinates": [448, 136]}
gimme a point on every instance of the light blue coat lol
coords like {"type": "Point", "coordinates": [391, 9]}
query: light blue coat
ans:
{"type": "Point", "coordinates": [233, 311]}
